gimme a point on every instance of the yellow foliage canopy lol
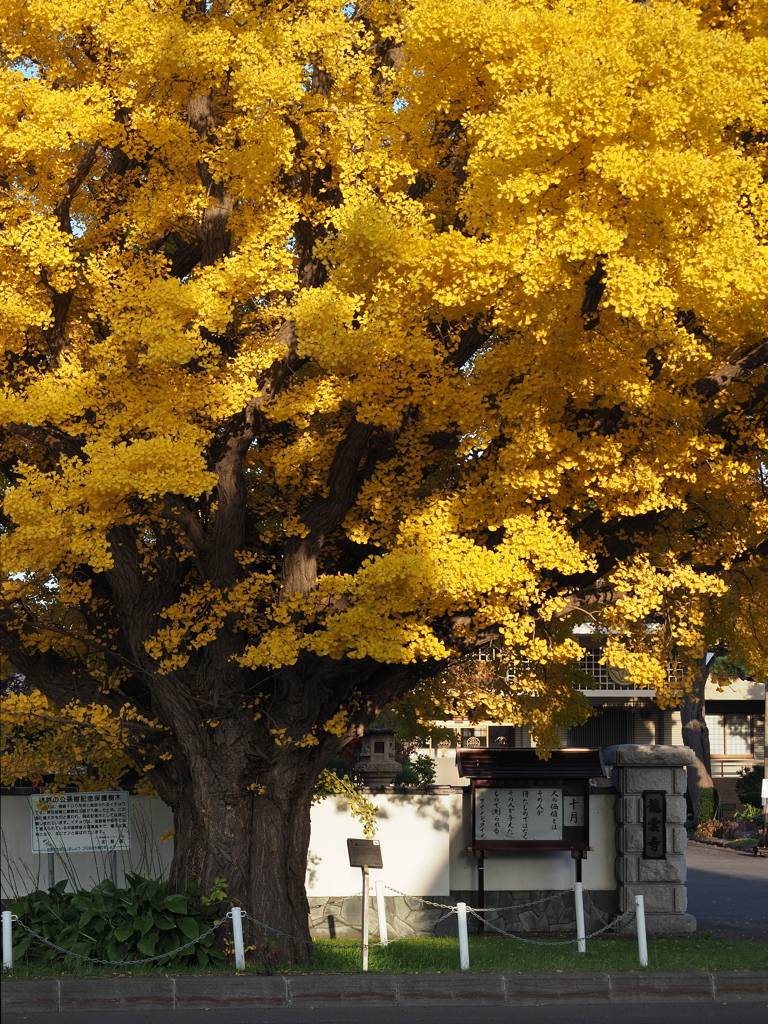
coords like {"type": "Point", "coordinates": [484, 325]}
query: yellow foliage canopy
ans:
{"type": "Point", "coordinates": [340, 339]}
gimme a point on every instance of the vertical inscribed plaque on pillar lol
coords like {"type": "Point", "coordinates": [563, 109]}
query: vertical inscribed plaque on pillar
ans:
{"type": "Point", "coordinates": [654, 824]}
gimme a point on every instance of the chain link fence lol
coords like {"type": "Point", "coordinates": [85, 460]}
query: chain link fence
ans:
{"type": "Point", "coordinates": [10, 919]}
{"type": "Point", "coordinates": [117, 963]}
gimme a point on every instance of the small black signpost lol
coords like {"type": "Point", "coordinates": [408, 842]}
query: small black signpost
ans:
{"type": "Point", "coordinates": [364, 854]}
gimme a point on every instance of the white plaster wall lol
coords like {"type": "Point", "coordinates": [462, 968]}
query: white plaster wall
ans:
{"type": "Point", "coordinates": [424, 840]}
{"type": "Point", "coordinates": [22, 871]}
{"type": "Point", "coordinates": [737, 689]}
{"type": "Point", "coordinates": [414, 832]}
{"type": "Point", "coordinates": [446, 772]}
{"type": "Point", "coordinates": [676, 734]}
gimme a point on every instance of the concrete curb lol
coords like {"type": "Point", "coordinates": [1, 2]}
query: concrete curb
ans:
{"type": "Point", "coordinates": [310, 990]}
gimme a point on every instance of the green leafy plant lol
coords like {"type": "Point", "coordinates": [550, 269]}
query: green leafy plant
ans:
{"type": "Point", "coordinates": [710, 806]}
{"type": "Point", "coordinates": [107, 923]}
{"type": "Point", "coordinates": [360, 807]}
{"type": "Point", "coordinates": [748, 785]}
{"type": "Point", "coordinates": [748, 814]}
{"type": "Point", "coordinates": [742, 844]}
{"type": "Point", "coordinates": [416, 771]}
{"type": "Point", "coordinates": [217, 894]}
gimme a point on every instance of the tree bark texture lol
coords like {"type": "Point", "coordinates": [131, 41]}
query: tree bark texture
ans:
{"type": "Point", "coordinates": [257, 841]}
{"type": "Point", "coordinates": [696, 736]}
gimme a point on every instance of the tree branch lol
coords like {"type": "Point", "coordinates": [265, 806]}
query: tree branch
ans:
{"type": "Point", "coordinates": [50, 437]}
{"type": "Point", "coordinates": [324, 515]}
{"type": "Point", "coordinates": [726, 374]}
{"type": "Point", "coordinates": [213, 234]}
{"type": "Point", "coordinates": [73, 184]}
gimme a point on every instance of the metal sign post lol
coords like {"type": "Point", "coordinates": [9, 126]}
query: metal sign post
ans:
{"type": "Point", "coordinates": [364, 854]}
{"type": "Point", "coordinates": [364, 940]}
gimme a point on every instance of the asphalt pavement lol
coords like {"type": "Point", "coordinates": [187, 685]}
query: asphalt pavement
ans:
{"type": "Point", "coordinates": [644, 1013]}
{"type": "Point", "coordinates": [728, 892]}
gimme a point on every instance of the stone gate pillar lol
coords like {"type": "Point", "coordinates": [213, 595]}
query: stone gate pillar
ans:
{"type": "Point", "coordinates": [650, 832]}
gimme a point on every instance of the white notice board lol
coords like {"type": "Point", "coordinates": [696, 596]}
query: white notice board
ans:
{"type": "Point", "coordinates": [525, 814]}
{"type": "Point", "coordinates": [80, 822]}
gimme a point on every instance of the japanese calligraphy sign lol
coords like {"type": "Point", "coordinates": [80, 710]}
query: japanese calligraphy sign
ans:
{"type": "Point", "coordinates": [532, 812]}
{"type": "Point", "coordinates": [521, 802]}
{"type": "Point", "coordinates": [80, 822]}
{"type": "Point", "coordinates": [654, 824]}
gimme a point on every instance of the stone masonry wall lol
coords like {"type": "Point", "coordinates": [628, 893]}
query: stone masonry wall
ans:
{"type": "Point", "coordinates": [408, 916]}
{"type": "Point", "coordinates": [636, 768]}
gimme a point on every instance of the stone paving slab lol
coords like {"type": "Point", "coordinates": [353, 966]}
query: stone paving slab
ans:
{"type": "Point", "coordinates": [394, 990]}
{"type": "Point", "coordinates": [324, 989]}
{"type": "Point", "coordinates": [233, 991]}
{"type": "Point", "coordinates": [40, 995]}
{"type": "Point", "coordinates": [534, 989]}
{"type": "Point", "coordinates": [692, 986]}
{"type": "Point", "coordinates": [741, 986]}
{"type": "Point", "coordinates": [107, 994]}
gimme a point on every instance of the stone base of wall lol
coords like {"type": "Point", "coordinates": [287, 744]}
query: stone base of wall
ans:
{"type": "Point", "coordinates": [663, 924]}
{"type": "Point", "coordinates": [408, 917]}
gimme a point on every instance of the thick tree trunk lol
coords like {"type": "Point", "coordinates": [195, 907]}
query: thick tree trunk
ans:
{"type": "Point", "coordinates": [696, 736]}
{"type": "Point", "coordinates": [257, 841]}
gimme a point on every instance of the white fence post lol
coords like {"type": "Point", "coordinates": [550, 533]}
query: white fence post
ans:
{"type": "Point", "coordinates": [236, 915]}
{"type": "Point", "coordinates": [461, 914]}
{"type": "Point", "coordinates": [381, 909]}
{"type": "Point", "coordinates": [7, 940]}
{"type": "Point", "coordinates": [578, 899]}
{"type": "Point", "coordinates": [642, 942]}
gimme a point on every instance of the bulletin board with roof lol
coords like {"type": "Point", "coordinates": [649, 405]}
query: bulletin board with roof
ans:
{"type": "Point", "coordinates": [520, 802]}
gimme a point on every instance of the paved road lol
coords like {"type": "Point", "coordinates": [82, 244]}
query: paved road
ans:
{"type": "Point", "coordinates": [645, 1013]}
{"type": "Point", "coordinates": [728, 892]}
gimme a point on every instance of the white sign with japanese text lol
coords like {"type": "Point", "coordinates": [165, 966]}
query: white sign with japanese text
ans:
{"type": "Point", "coordinates": [80, 822]}
{"type": "Point", "coordinates": [521, 815]}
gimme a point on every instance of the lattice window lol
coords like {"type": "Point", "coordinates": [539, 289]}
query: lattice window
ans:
{"type": "Point", "coordinates": [732, 734]}
{"type": "Point", "coordinates": [590, 663]}
{"type": "Point", "coordinates": [676, 672]}
{"type": "Point", "coordinates": [609, 678]}
{"type": "Point", "coordinates": [605, 676]}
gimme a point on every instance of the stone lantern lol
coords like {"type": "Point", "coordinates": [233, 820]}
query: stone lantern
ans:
{"type": "Point", "coordinates": [377, 764]}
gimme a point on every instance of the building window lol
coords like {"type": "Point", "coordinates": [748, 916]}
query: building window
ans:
{"type": "Point", "coordinates": [609, 678]}
{"type": "Point", "coordinates": [604, 729]}
{"type": "Point", "coordinates": [501, 736]}
{"type": "Point", "coordinates": [735, 734]}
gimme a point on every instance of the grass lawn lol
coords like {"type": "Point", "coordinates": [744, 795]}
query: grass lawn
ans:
{"type": "Point", "coordinates": [493, 955]}
{"type": "Point", "coordinates": [505, 956]}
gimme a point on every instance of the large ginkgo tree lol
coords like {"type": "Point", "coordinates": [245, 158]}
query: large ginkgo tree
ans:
{"type": "Point", "coordinates": [339, 340]}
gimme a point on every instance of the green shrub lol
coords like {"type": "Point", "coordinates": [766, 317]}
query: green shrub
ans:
{"type": "Point", "coordinates": [416, 771]}
{"type": "Point", "coordinates": [748, 785]}
{"type": "Point", "coordinates": [710, 806]}
{"type": "Point", "coordinates": [107, 923]}
{"type": "Point", "coordinates": [748, 814]}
